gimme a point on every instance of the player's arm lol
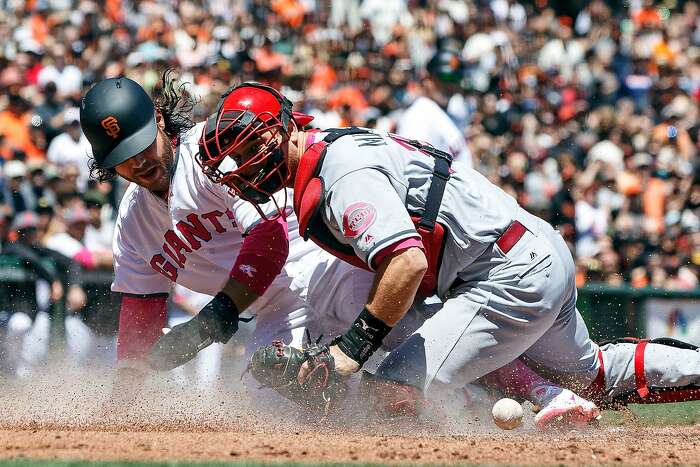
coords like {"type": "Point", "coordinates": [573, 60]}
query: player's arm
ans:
{"type": "Point", "coordinates": [142, 313]}
{"type": "Point", "coordinates": [378, 226]}
{"type": "Point", "coordinates": [141, 320]}
{"type": "Point", "coordinates": [260, 259]}
{"type": "Point", "coordinates": [396, 283]}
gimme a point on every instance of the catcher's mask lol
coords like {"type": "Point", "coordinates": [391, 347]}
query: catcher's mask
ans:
{"type": "Point", "coordinates": [243, 142]}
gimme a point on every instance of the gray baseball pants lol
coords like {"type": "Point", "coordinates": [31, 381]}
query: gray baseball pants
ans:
{"type": "Point", "coordinates": [523, 304]}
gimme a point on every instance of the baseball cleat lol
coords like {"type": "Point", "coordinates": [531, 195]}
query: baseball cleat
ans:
{"type": "Point", "coordinates": [566, 408]}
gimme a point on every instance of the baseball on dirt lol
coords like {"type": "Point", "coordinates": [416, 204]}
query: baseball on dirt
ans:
{"type": "Point", "coordinates": [507, 414]}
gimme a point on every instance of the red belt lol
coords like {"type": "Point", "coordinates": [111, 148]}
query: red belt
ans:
{"type": "Point", "coordinates": [511, 236]}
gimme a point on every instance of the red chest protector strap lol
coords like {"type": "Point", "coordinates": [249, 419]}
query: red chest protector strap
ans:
{"type": "Point", "coordinates": [309, 198]}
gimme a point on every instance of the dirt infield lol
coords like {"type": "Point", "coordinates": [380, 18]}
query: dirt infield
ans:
{"type": "Point", "coordinates": [647, 446]}
{"type": "Point", "coordinates": [68, 416]}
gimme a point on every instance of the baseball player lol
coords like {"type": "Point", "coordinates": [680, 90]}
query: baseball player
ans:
{"type": "Point", "coordinates": [176, 226]}
{"type": "Point", "coordinates": [397, 207]}
{"type": "Point", "coordinates": [425, 119]}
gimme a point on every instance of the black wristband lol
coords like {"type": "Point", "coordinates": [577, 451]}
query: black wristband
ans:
{"type": "Point", "coordinates": [219, 318]}
{"type": "Point", "coordinates": [364, 337]}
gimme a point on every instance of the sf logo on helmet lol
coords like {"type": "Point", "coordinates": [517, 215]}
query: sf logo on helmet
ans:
{"type": "Point", "coordinates": [111, 125]}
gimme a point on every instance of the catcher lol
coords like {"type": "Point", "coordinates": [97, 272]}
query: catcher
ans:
{"type": "Point", "coordinates": [175, 225]}
{"type": "Point", "coordinates": [424, 225]}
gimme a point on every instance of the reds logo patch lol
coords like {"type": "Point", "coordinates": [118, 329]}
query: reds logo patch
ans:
{"type": "Point", "coordinates": [357, 218]}
{"type": "Point", "coordinates": [111, 125]}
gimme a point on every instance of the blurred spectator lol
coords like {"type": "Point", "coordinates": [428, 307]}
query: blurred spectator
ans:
{"type": "Point", "coordinates": [15, 125]}
{"type": "Point", "coordinates": [71, 147]}
{"type": "Point", "coordinates": [589, 118]}
{"type": "Point", "coordinates": [18, 193]}
{"type": "Point", "coordinates": [98, 233]}
{"type": "Point", "coordinates": [49, 109]}
{"type": "Point", "coordinates": [71, 243]}
{"type": "Point", "coordinates": [63, 274]}
{"type": "Point", "coordinates": [58, 69]}
{"type": "Point", "coordinates": [426, 119]}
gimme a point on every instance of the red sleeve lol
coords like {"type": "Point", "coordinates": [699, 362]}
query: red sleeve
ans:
{"type": "Point", "coordinates": [401, 245]}
{"type": "Point", "coordinates": [141, 321]}
{"type": "Point", "coordinates": [262, 256]}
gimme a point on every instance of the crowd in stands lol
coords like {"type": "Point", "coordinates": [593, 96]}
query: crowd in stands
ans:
{"type": "Point", "coordinates": [586, 112]}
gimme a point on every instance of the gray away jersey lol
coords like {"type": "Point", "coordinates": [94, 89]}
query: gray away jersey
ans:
{"type": "Point", "coordinates": [372, 182]}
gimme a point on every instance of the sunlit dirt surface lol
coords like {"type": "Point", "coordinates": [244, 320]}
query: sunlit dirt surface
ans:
{"type": "Point", "coordinates": [69, 416]}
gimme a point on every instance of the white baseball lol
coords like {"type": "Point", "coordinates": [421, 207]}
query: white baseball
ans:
{"type": "Point", "coordinates": [507, 414]}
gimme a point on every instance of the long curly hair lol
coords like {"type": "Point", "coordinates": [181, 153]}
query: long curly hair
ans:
{"type": "Point", "coordinates": [176, 105]}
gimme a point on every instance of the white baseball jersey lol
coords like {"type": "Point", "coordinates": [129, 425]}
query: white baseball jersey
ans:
{"type": "Point", "coordinates": [374, 179]}
{"type": "Point", "coordinates": [193, 238]}
{"type": "Point", "coordinates": [425, 121]}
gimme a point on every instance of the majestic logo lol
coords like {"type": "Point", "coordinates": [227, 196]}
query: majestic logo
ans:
{"type": "Point", "coordinates": [247, 269]}
{"type": "Point", "coordinates": [365, 326]}
{"type": "Point", "coordinates": [111, 126]}
{"type": "Point", "coordinates": [357, 218]}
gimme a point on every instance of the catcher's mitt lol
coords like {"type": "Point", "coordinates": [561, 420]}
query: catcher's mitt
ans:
{"type": "Point", "coordinates": [277, 366]}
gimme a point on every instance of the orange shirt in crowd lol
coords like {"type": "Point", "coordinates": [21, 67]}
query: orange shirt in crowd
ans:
{"type": "Point", "coordinates": [653, 201]}
{"type": "Point", "coordinates": [350, 96]}
{"type": "Point", "coordinates": [323, 77]}
{"type": "Point", "coordinates": [38, 28]}
{"type": "Point", "coordinates": [663, 55]}
{"type": "Point", "coordinates": [114, 11]}
{"type": "Point", "coordinates": [291, 11]}
{"type": "Point", "coordinates": [15, 129]}
{"type": "Point", "coordinates": [268, 60]}
{"type": "Point", "coordinates": [647, 17]}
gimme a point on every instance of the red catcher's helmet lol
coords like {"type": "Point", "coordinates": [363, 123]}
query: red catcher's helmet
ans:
{"type": "Point", "coordinates": [244, 114]}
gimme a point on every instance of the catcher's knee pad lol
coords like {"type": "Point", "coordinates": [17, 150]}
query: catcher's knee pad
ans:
{"type": "Point", "coordinates": [643, 394]}
{"type": "Point", "coordinates": [390, 399]}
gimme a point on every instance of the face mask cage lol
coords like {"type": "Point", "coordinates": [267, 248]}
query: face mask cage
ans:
{"type": "Point", "coordinates": [243, 151]}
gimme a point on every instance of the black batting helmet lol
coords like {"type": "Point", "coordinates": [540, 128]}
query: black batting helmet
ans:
{"type": "Point", "coordinates": [118, 118]}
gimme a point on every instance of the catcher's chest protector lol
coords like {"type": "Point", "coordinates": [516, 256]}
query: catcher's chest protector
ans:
{"type": "Point", "coordinates": [309, 194]}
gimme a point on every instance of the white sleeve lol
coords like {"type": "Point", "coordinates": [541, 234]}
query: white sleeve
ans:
{"type": "Point", "coordinates": [247, 216]}
{"type": "Point", "coordinates": [132, 272]}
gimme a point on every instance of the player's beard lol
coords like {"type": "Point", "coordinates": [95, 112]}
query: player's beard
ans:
{"type": "Point", "coordinates": [166, 163]}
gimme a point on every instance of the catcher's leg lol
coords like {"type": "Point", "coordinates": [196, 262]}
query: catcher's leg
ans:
{"type": "Point", "coordinates": [622, 372]}
{"type": "Point", "coordinates": [649, 371]}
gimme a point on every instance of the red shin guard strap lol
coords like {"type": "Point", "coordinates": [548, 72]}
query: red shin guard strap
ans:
{"type": "Point", "coordinates": [597, 387]}
{"type": "Point", "coordinates": [640, 378]}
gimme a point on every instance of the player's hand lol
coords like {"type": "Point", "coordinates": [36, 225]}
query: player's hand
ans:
{"type": "Point", "coordinates": [317, 387]}
{"type": "Point", "coordinates": [216, 322]}
{"type": "Point", "coordinates": [344, 365]}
